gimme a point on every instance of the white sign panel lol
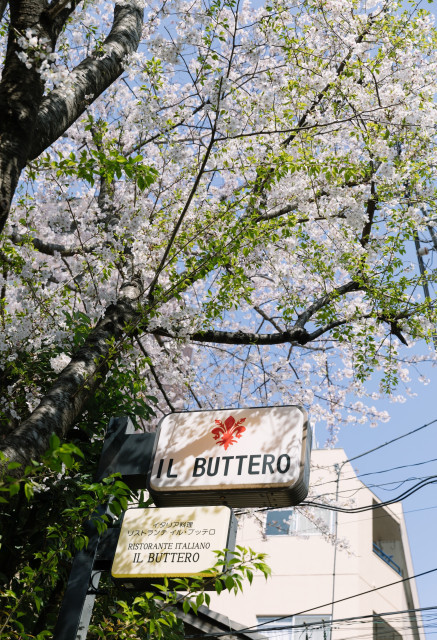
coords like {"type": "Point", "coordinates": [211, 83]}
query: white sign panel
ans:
{"type": "Point", "coordinates": [172, 542]}
{"type": "Point", "coordinates": [240, 457]}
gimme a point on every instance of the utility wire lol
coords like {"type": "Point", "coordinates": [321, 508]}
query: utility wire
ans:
{"type": "Point", "coordinates": [402, 466]}
{"type": "Point", "coordinates": [385, 486]}
{"type": "Point", "coordinates": [409, 433]}
{"type": "Point", "coordinates": [372, 473]}
{"type": "Point", "coordinates": [256, 628]}
{"type": "Point", "coordinates": [377, 505]}
{"type": "Point", "coordinates": [320, 623]}
{"type": "Point", "coordinates": [385, 444]}
{"type": "Point", "coordinates": [367, 519]}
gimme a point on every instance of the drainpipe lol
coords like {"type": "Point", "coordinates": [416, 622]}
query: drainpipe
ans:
{"type": "Point", "coordinates": [338, 468]}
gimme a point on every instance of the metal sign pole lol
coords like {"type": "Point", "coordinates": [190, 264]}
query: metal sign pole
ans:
{"type": "Point", "coordinates": [129, 454]}
{"type": "Point", "coordinates": [77, 605]}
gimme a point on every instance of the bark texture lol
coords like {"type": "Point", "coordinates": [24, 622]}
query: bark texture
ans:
{"type": "Point", "coordinates": [21, 92]}
{"type": "Point", "coordinates": [3, 5]}
{"type": "Point", "coordinates": [66, 398]}
{"type": "Point", "coordinates": [30, 122]}
{"type": "Point", "coordinates": [89, 79]}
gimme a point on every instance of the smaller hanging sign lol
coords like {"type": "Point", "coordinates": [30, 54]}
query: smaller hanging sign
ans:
{"type": "Point", "coordinates": [251, 457]}
{"type": "Point", "coordinates": [172, 542]}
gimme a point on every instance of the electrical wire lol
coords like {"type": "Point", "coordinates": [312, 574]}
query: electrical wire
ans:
{"type": "Point", "coordinates": [406, 494]}
{"type": "Point", "coordinates": [385, 444]}
{"type": "Point", "coordinates": [372, 473]}
{"type": "Point", "coordinates": [364, 453]}
{"type": "Point", "coordinates": [256, 628]}
{"type": "Point", "coordinates": [402, 466]}
{"type": "Point", "coordinates": [409, 511]}
{"type": "Point", "coordinates": [382, 485]}
{"type": "Point", "coordinates": [376, 505]}
{"type": "Point", "coordinates": [367, 519]}
{"type": "Point", "coordinates": [318, 623]}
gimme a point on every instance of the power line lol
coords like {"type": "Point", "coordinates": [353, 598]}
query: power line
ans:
{"type": "Point", "coordinates": [407, 493]}
{"type": "Point", "coordinates": [366, 519]}
{"type": "Point", "coordinates": [256, 628]}
{"type": "Point", "coordinates": [409, 433]}
{"type": "Point", "coordinates": [377, 505]}
{"type": "Point", "coordinates": [409, 511]}
{"type": "Point", "coordinates": [388, 502]}
{"type": "Point", "coordinates": [402, 466]}
{"type": "Point", "coordinates": [372, 473]}
{"type": "Point", "coordinates": [364, 453]}
{"type": "Point", "coordinates": [319, 623]}
{"type": "Point", "coordinates": [382, 485]}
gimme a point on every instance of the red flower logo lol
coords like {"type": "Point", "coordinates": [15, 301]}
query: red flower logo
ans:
{"type": "Point", "coordinates": [227, 433]}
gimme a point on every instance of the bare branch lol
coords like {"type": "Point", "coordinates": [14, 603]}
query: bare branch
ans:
{"type": "Point", "coordinates": [50, 248]}
{"type": "Point", "coordinates": [155, 375]}
{"type": "Point", "coordinates": [264, 315]}
{"type": "Point", "coordinates": [295, 335]}
{"type": "Point", "coordinates": [186, 207]}
{"type": "Point", "coordinates": [326, 299]}
{"type": "Point", "coordinates": [277, 213]}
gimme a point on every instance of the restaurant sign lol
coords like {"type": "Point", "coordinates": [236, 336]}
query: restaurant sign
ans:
{"type": "Point", "coordinates": [172, 542]}
{"type": "Point", "coordinates": [238, 457]}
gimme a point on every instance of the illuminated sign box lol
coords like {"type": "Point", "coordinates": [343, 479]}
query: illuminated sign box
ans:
{"type": "Point", "coordinates": [172, 542]}
{"type": "Point", "coordinates": [238, 457]}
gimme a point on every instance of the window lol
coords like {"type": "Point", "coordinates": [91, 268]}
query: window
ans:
{"type": "Point", "coordinates": [286, 522]}
{"type": "Point", "coordinates": [296, 627]}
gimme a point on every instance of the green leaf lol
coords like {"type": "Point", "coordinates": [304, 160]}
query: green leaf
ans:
{"type": "Point", "coordinates": [14, 488]}
{"type": "Point", "coordinates": [186, 606]}
{"type": "Point", "coordinates": [229, 582]}
{"type": "Point", "coordinates": [13, 465]}
{"type": "Point", "coordinates": [54, 442]}
{"type": "Point", "coordinates": [28, 490]}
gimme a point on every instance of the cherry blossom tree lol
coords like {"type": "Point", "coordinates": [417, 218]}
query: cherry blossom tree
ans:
{"type": "Point", "coordinates": [209, 204]}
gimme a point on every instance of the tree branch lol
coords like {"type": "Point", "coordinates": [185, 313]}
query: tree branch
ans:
{"type": "Point", "coordinates": [91, 77]}
{"type": "Point", "coordinates": [58, 13]}
{"type": "Point", "coordinates": [371, 208]}
{"type": "Point", "coordinates": [186, 207]}
{"type": "Point", "coordinates": [326, 299]}
{"type": "Point", "coordinates": [155, 375]}
{"type": "Point", "coordinates": [21, 92]}
{"type": "Point", "coordinates": [50, 248]}
{"type": "Point", "coordinates": [266, 317]}
{"type": "Point", "coordinates": [295, 335]}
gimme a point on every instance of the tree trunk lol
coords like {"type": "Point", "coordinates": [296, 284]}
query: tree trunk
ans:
{"type": "Point", "coordinates": [66, 399]}
{"type": "Point", "coordinates": [21, 92]}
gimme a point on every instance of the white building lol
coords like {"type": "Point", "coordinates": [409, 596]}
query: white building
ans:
{"type": "Point", "coordinates": [316, 583]}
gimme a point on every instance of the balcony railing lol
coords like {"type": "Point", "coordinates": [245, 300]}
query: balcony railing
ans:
{"type": "Point", "coordinates": [388, 559]}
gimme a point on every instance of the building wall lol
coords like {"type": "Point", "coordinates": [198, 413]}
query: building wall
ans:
{"type": "Point", "coordinates": [309, 571]}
